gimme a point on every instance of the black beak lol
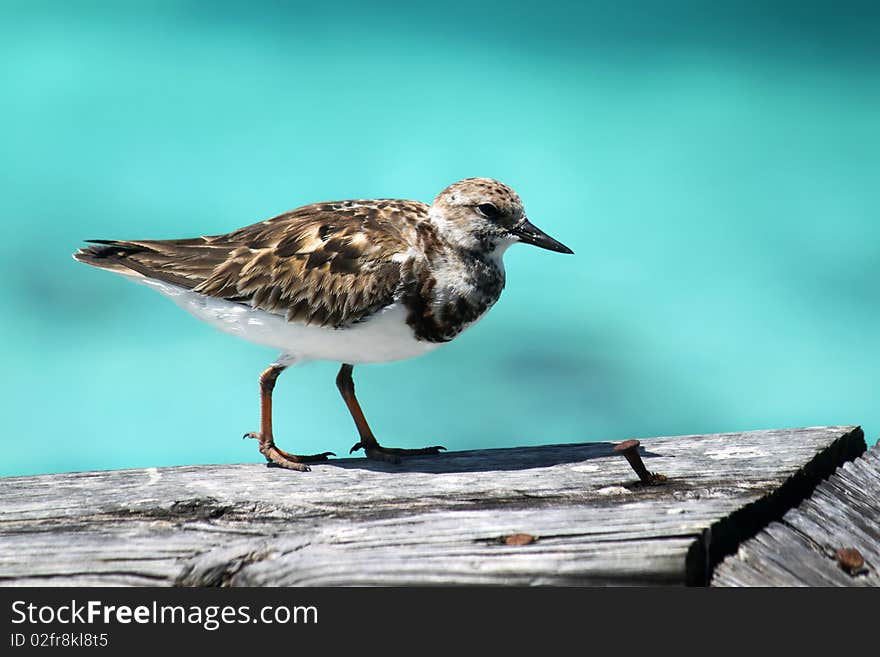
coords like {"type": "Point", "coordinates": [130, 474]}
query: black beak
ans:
{"type": "Point", "coordinates": [527, 232]}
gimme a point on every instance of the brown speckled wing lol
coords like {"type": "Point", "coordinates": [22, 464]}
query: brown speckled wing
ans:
{"type": "Point", "coordinates": [323, 264]}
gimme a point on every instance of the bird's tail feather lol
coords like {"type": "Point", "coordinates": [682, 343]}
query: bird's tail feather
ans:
{"type": "Point", "coordinates": [108, 254]}
{"type": "Point", "coordinates": [164, 261]}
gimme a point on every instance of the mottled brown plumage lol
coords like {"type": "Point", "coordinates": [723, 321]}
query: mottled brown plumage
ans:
{"type": "Point", "coordinates": [328, 264]}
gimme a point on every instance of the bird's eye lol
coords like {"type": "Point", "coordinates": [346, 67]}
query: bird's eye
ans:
{"type": "Point", "coordinates": [488, 210]}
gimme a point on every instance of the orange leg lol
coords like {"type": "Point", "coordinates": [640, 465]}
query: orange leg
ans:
{"type": "Point", "coordinates": [275, 456]}
{"type": "Point", "coordinates": [368, 441]}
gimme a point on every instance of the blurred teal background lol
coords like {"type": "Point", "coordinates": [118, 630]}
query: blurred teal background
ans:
{"type": "Point", "coordinates": [715, 167]}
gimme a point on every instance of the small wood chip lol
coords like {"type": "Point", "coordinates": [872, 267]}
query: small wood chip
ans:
{"type": "Point", "coordinates": [519, 539]}
{"type": "Point", "coordinates": [851, 560]}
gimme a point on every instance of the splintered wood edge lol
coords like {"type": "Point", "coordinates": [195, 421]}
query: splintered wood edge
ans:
{"type": "Point", "coordinates": [724, 537]}
{"type": "Point", "coordinates": [830, 539]}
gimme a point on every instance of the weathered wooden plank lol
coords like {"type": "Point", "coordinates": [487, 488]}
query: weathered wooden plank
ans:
{"type": "Point", "coordinates": [800, 549]}
{"type": "Point", "coordinates": [432, 520]}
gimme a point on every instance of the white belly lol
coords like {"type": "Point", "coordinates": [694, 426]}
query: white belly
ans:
{"type": "Point", "coordinates": [383, 338]}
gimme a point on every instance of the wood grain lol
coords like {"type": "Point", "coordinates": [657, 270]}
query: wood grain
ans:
{"type": "Point", "coordinates": [432, 520]}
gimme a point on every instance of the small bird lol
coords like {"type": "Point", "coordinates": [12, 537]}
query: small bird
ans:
{"type": "Point", "coordinates": [354, 282]}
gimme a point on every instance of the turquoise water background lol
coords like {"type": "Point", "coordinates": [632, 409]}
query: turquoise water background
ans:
{"type": "Point", "coordinates": [714, 166]}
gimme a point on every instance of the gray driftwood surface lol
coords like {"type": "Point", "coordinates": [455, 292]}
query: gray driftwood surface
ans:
{"type": "Point", "coordinates": [799, 550]}
{"type": "Point", "coordinates": [431, 520]}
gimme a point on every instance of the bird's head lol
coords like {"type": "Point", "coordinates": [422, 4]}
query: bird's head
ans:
{"type": "Point", "coordinates": [484, 214]}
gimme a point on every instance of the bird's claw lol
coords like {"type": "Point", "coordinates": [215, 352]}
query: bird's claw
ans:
{"type": "Point", "coordinates": [278, 458]}
{"type": "Point", "coordinates": [393, 454]}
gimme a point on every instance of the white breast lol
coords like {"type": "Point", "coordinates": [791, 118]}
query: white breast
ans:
{"type": "Point", "coordinates": [382, 338]}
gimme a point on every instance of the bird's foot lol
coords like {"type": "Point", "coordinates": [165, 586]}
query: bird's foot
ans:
{"type": "Point", "coordinates": [393, 454]}
{"type": "Point", "coordinates": [279, 458]}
